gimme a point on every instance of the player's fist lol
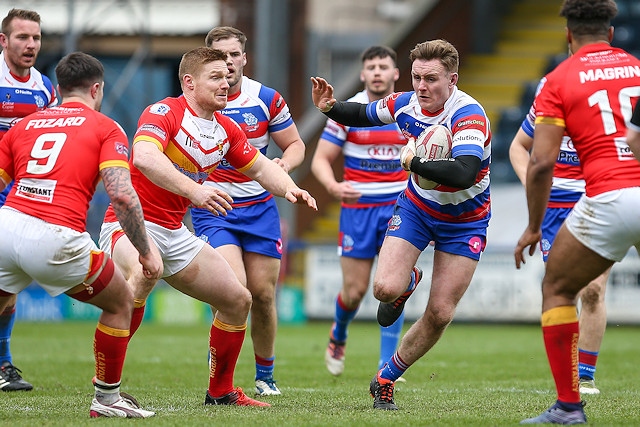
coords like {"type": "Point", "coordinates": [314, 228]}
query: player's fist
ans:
{"type": "Point", "coordinates": [407, 153]}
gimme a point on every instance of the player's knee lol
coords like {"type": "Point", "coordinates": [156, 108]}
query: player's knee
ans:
{"type": "Point", "coordinates": [263, 298]}
{"type": "Point", "coordinates": [592, 295]}
{"type": "Point", "coordinates": [383, 293]}
{"type": "Point", "coordinates": [353, 297]}
{"type": "Point", "coordinates": [439, 317]}
{"type": "Point", "coordinates": [242, 304]}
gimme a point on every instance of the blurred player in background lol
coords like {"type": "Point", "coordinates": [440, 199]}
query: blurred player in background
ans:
{"type": "Point", "coordinates": [249, 236]}
{"type": "Point", "coordinates": [454, 215]}
{"type": "Point", "coordinates": [24, 90]}
{"type": "Point", "coordinates": [567, 187]}
{"type": "Point", "coordinates": [372, 181]}
{"type": "Point", "coordinates": [598, 85]}
{"type": "Point", "coordinates": [56, 157]}
{"type": "Point", "coordinates": [179, 142]}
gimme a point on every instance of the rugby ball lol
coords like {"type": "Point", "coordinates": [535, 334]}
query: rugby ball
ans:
{"type": "Point", "coordinates": [433, 143]}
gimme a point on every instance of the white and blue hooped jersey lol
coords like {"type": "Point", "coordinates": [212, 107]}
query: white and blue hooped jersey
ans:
{"type": "Point", "coordinates": [371, 157]}
{"type": "Point", "coordinates": [258, 110]}
{"type": "Point", "coordinates": [470, 128]}
{"type": "Point", "coordinates": [568, 182]}
{"type": "Point", "coordinates": [21, 97]}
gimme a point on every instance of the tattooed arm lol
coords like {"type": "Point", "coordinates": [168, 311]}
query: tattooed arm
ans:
{"type": "Point", "coordinates": [126, 206]}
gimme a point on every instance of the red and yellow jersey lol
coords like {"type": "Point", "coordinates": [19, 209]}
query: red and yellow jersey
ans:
{"type": "Point", "coordinates": [195, 146]}
{"type": "Point", "coordinates": [55, 157]}
{"type": "Point", "coordinates": [592, 95]}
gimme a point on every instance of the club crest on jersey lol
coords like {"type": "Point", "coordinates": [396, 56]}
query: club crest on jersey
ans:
{"type": "Point", "coordinates": [159, 109]}
{"type": "Point", "coordinates": [251, 121]}
{"type": "Point", "coordinates": [122, 148]}
{"type": "Point", "coordinates": [39, 101]}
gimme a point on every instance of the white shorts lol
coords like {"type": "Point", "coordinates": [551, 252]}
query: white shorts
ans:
{"type": "Point", "coordinates": [609, 223]}
{"type": "Point", "coordinates": [56, 257]}
{"type": "Point", "coordinates": [177, 247]}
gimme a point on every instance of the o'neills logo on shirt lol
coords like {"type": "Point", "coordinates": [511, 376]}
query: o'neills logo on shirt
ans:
{"type": "Point", "coordinates": [41, 190]}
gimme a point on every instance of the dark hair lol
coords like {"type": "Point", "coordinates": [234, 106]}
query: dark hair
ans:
{"type": "Point", "coordinates": [379, 52]}
{"type": "Point", "coordinates": [78, 71]}
{"type": "Point", "coordinates": [437, 49]}
{"type": "Point", "coordinates": [27, 15]}
{"type": "Point", "coordinates": [589, 17]}
{"type": "Point", "coordinates": [224, 33]}
{"type": "Point", "coordinates": [195, 59]}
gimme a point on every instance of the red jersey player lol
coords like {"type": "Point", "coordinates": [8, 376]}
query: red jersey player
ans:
{"type": "Point", "coordinates": [179, 142]}
{"type": "Point", "coordinates": [590, 96]}
{"type": "Point", "coordinates": [56, 157]}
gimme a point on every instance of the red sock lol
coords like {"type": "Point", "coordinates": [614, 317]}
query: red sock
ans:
{"type": "Point", "coordinates": [109, 350]}
{"type": "Point", "coordinates": [560, 332]}
{"type": "Point", "coordinates": [137, 315]}
{"type": "Point", "coordinates": [225, 343]}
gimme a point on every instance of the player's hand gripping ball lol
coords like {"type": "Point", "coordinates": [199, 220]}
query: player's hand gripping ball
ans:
{"type": "Point", "coordinates": [433, 143]}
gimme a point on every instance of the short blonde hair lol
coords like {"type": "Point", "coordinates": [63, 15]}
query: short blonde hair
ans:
{"type": "Point", "coordinates": [437, 49]}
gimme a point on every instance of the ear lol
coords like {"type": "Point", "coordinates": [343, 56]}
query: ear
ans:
{"type": "Point", "coordinates": [187, 81]}
{"type": "Point", "coordinates": [244, 59]}
{"type": "Point", "coordinates": [611, 29]}
{"type": "Point", "coordinates": [396, 74]}
{"type": "Point", "coordinates": [453, 80]}
{"type": "Point", "coordinates": [361, 76]}
{"type": "Point", "coordinates": [95, 89]}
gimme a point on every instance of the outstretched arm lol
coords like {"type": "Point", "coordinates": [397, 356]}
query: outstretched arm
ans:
{"type": "Point", "coordinates": [276, 181]}
{"type": "Point", "coordinates": [346, 113]}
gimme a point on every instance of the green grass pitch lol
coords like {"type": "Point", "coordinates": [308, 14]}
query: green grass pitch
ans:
{"type": "Point", "coordinates": [477, 375]}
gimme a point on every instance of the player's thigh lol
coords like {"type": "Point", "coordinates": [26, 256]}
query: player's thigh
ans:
{"type": "Point", "coordinates": [356, 272]}
{"type": "Point", "coordinates": [116, 295]}
{"type": "Point", "coordinates": [395, 262]}
{"type": "Point", "coordinates": [571, 266]}
{"type": "Point", "coordinates": [210, 279]}
{"type": "Point", "coordinates": [262, 273]}
{"type": "Point", "coordinates": [115, 242]}
{"type": "Point", "coordinates": [233, 255]}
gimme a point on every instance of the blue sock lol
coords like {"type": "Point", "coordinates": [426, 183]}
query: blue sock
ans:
{"type": "Point", "coordinates": [264, 367]}
{"type": "Point", "coordinates": [587, 365]}
{"type": "Point", "coordinates": [343, 317]}
{"type": "Point", "coordinates": [412, 282]}
{"type": "Point", "coordinates": [389, 338]}
{"type": "Point", "coordinates": [394, 368]}
{"type": "Point", "coordinates": [7, 318]}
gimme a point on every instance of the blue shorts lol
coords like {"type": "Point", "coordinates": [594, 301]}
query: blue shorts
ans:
{"type": "Point", "coordinates": [5, 193]}
{"type": "Point", "coordinates": [414, 225]}
{"type": "Point", "coordinates": [553, 220]}
{"type": "Point", "coordinates": [362, 230]}
{"type": "Point", "coordinates": [254, 228]}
